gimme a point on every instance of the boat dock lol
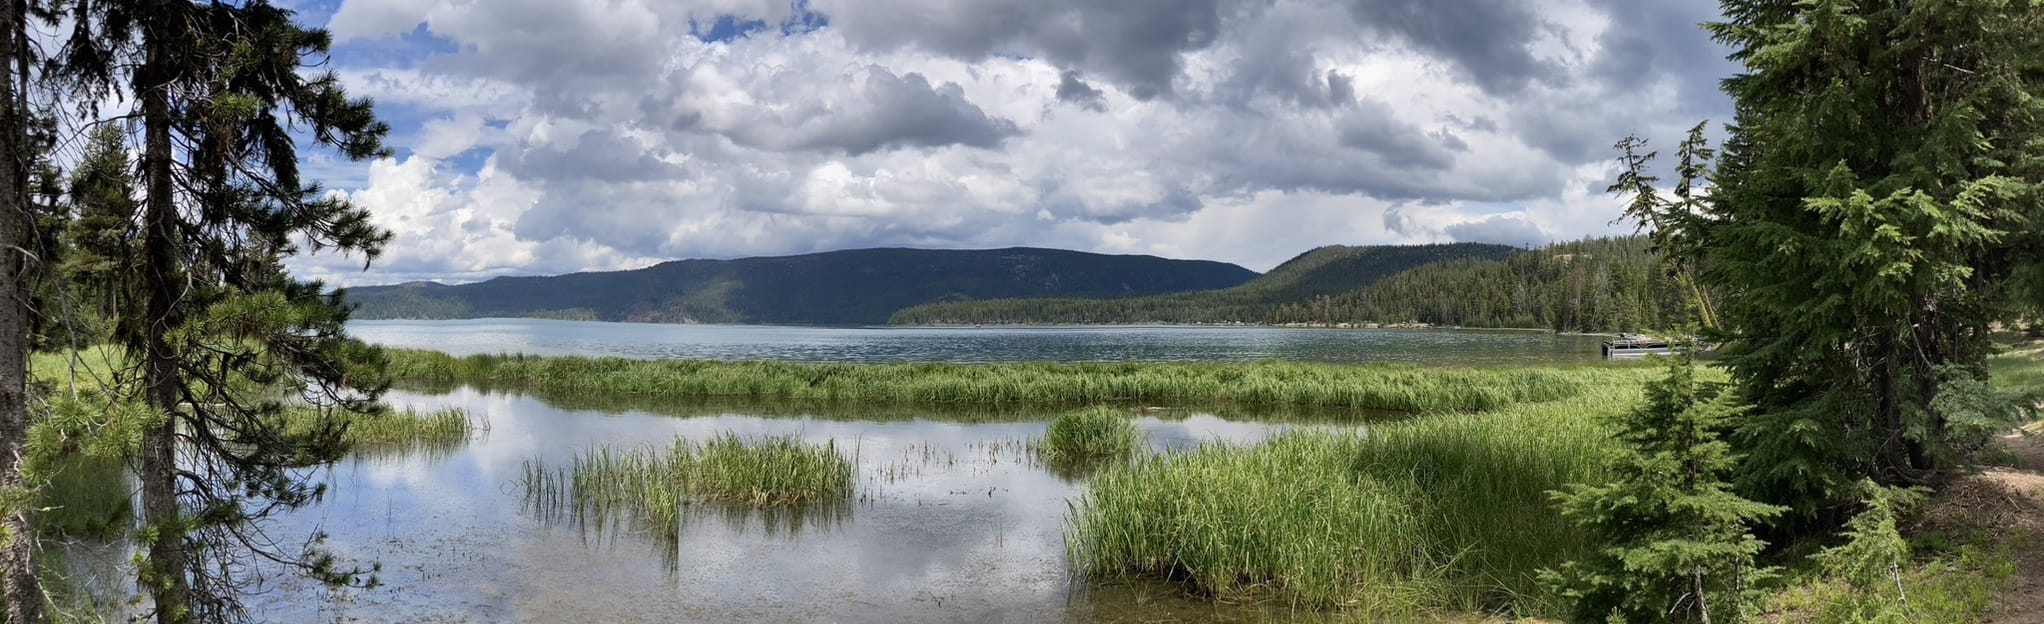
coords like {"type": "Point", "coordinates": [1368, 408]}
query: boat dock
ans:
{"type": "Point", "coordinates": [1636, 345]}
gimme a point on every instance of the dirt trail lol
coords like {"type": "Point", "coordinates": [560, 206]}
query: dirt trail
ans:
{"type": "Point", "coordinates": [2009, 504]}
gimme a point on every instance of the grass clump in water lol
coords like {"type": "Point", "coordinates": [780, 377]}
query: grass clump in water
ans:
{"type": "Point", "coordinates": [654, 486]}
{"type": "Point", "coordinates": [1091, 434]}
{"type": "Point", "coordinates": [1442, 513]}
{"type": "Point", "coordinates": [85, 497]}
{"type": "Point", "coordinates": [402, 428]}
{"type": "Point", "coordinates": [770, 472]}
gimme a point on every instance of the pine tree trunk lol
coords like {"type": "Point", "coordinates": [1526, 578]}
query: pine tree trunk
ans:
{"type": "Point", "coordinates": [168, 585]}
{"type": "Point", "coordinates": [18, 583]}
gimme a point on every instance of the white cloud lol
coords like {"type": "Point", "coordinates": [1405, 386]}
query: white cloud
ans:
{"type": "Point", "coordinates": [611, 136]}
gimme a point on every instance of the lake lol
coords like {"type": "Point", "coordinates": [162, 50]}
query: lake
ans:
{"type": "Point", "coordinates": [952, 519]}
{"type": "Point", "coordinates": [981, 344]}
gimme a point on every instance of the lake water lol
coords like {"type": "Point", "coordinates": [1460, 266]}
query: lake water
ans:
{"type": "Point", "coordinates": [952, 520]}
{"type": "Point", "coordinates": [980, 344]}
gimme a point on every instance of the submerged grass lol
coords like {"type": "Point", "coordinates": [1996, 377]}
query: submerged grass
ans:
{"type": "Point", "coordinates": [1375, 387]}
{"type": "Point", "coordinates": [1091, 434]}
{"type": "Point", "coordinates": [654, 486]}
{"type": "Point", "coordinates": [1443, 513]}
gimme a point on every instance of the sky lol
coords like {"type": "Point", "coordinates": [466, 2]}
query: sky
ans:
{"type": "Point", "coordinates": [553, 136]}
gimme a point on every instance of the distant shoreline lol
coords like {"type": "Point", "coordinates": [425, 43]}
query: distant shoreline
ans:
{"type": "Point", "coordinates": [1393, 326]}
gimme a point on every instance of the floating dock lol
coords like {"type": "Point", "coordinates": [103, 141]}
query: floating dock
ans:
{"type": "Point", "coordinates": [1636, 345]}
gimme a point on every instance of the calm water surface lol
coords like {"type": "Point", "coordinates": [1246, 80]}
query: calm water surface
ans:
{"type": "Point", "coordinates": [977, 344]}
{"type": "Point", "coordinates": [951, 521]}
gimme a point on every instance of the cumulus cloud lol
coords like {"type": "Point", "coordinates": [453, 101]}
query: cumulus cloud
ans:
{"type": "Point", "coordinates": [563, 135]}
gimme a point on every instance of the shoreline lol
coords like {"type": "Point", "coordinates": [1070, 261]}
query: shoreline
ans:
{"type": "Point", "coordinates": [1375, 326]}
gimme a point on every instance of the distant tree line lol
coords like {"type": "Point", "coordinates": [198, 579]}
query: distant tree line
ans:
{"type": "Point", "coordinates": [1593, 285]}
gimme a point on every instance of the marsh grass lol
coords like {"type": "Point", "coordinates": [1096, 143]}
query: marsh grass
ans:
{"type": "Point", "coordinates": [1091, 434]}
{"type": "Point", "coordinates": [1440, 513]}
{"type": "Point", "coordinates": [85, 497]}
{"type": "Point", "coordinates": [397, 429]}
{"type": "Point", "coordinates": [656, 486]}
{"type": "Point", "coordinates": [1408, 389]}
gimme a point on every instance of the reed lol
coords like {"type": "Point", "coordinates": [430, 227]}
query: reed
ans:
{"type": "Point", "coordinates": [394, 429]}
{"type": "Point", "coordinates": [1090, 434]}
{"type": "Point", "coordinates": [1399, 388]}
{"type": "Point", "coordinates": [654, 486]}
{"type": "Point", "coordinates": [85, 496]}
{"type": "Point", "coordinates": [1440, 513]}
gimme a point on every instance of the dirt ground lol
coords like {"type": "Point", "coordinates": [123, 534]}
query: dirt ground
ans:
{"type": "Point", "coordinates": [2007, 502]}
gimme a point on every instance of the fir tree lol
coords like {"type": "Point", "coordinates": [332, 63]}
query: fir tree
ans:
{"type": "Point", "coordinates": [1676, 543]}
{"type": "Point", "coordinates": [1879, 190]}
{"type": "Point", "coordinates": [102, 235]}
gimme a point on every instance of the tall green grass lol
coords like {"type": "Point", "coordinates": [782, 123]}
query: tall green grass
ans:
{"type": "Point", "coordinates": [655, 486]}
{"type": "Point", "coordinates": [85, 497]}
{"type": "Point", "coordinates": [1388, 388]}
{"type": "Point", "coordinates": [1441, 513]}
{"type": "Point", "coordinates": [395, 429]}
{"type": "Point", "coordinates": [1090, 434]}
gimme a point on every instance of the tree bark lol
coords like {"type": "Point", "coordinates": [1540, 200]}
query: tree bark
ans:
{"type": "Point", "coordinates": [166, 575]}
{"type": "Point", "coordinates": [18, 583]}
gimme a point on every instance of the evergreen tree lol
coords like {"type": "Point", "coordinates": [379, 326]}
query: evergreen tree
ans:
{"type": "Point", "coordinates": [1676, 543]}
{"type": "Point", "coordinates": [1671, 223]}
{"type": "Point", "coordinates": [102, 235]}
{"type": "Point", "coordinates": [216, 324]}
{"type": "Point", "coordinates": [1877, 193]}
{"type": "Point", "coordinates": [18, 584]}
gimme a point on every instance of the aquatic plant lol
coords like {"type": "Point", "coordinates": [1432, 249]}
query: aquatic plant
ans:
{"type": "Point", "coordinates": [1398, 388]}
{"type": "Point", "coordinates": [85, 496]}
{"type": "Point", "coordinates": [1446, 512]}
{"type": "Point", "coordinates": [654, 486]}
{"type": "Point", "coordinates": [406, 427]}
{"type": "Point", "coordinates": [1089, 434]}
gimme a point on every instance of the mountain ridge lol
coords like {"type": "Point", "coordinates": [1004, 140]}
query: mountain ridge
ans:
{"type": "Point", "coordinates": [1321, 272]}
{"type": "Point", "coordinates": [856, 286]}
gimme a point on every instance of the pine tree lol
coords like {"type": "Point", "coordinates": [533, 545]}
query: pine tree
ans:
{"type": "Point", "coordinates": [1879, 189]}
{"type": "Point", "coordinates": [1675, 540]}
{"type": "Point", "coordinates": [19, 586]}
{"type": "Point", "coordinates": [215, 322]}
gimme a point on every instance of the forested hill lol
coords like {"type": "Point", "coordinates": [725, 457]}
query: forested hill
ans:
{"type": "Point", "coordinates": [841, 287]}
{"type": "Point", "coordinates": [1317, 274]}
{"type": "Point", "coordinates": [1595, 285]}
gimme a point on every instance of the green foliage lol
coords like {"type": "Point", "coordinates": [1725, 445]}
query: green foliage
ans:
{"type": "Point", "coordinates": [1313, 276]}
{"type": "Point", "coordinates": [655, 487]}
{"type": "Point", "coordinates": [1444, 513]}
{"type": "Point", "coordinates": [1592, 285]}
{"type": "Point", "coordinates": [1874, 577]}
{"type": "Point", "coordinates": [1374, 387]}
{"type": "Point", "coordinates": [1089, 434]}
{"type": "Point", "coordinates": [1876, 201]}
{"type": "Point", "coordinates": [1675, 543]}
{"type": "Point", "coordinates": [860, 286]}
{"type": "Point", "coordinates": [404, 428]}
{"type": "Point", "coordinates": [1954, 587]}
{"type": "Point", "coordinates": [82, 496]}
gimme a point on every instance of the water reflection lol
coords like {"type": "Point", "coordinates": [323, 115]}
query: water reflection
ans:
{"type": "Point", "coordinates": [950, 520]}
